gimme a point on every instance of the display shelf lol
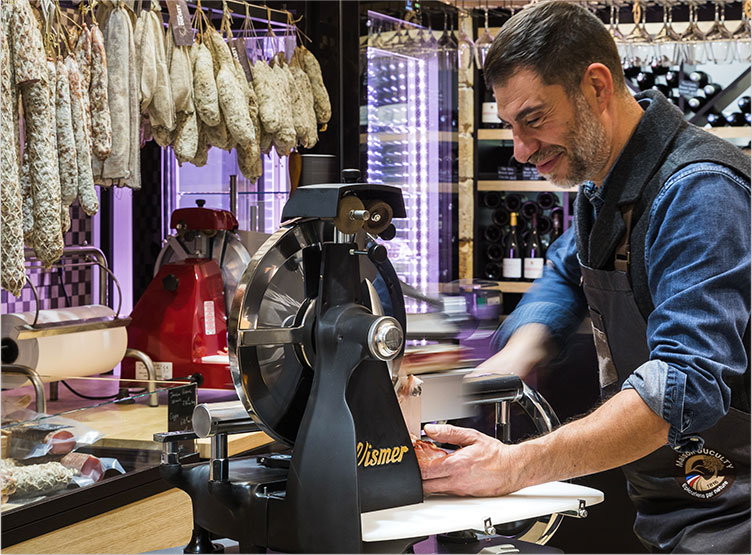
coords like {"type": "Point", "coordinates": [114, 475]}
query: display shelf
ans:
{"type": "Point", "coordinates": [523, 186]}
{"type": "Point", "coordinates": [731, 132]}
{"type": "Point", "coordinates": [723, 132]}
{"type": "Point", "coordinates": [386, 137]}
{"type": "Point", "coordinates": [510, 286]}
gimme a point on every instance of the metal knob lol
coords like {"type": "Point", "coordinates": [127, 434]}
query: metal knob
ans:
{"type": "Point", "coordinates": [385, 338]}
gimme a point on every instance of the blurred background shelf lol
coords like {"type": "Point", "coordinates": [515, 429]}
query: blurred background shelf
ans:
{"type": "Point", "coordinates": [523, 186]}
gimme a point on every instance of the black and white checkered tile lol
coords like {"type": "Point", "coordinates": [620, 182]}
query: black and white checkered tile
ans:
{"type": "Point", "coordinates": [57, 287]}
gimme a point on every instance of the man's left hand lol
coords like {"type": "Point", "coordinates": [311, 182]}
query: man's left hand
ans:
{"type": "Point", "coordinates": [482, 467]}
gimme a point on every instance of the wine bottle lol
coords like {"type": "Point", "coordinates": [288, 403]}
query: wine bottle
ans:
{"type": "Point", "coordinates": [672, 79]}
{"type": "Point", "coordinates": [511, 264]}
{"type": "Point", "coordinates": [557, 218]}
{"type": "Point", "coordinates": [547, 200]}
{"type": "Point", "coordinates": [492, 270]}
{"type": "Point", "coordinates": [489, 116]}
{"type": "Point", "coordinates": [544, 225]}
{"type": "Point", "coordinates": [658, 67]}
{"type": "Point", "coordinates": [696, 103]}
{"type": "Point", "coordinates": [500, 216]}
{"type": "Point", "coordinates": [495, 252]}
{"type": "Point", "coordinates": [630, 71]}
{"type": "Point", "coordinates": [711, 89]}
{"type": "Point", "coordinates": [716, 121]}
{"type": "Point", "coordinates": [744, 104]}
{"type": "Point", "coordinates": [736, 119]}
{"type": "Point", "coordinates": [528, 209]}
{"type": "Point", "coordinates": [699, 77]}
{"type": "Point", "coordinates": [532, 262]}
{"type": "Point", "coordinates": [645, 80]}
{"type": "Point", "coordinates": [512, 202]}
{"type": "Point", "coordinates": [492, 234]}
{"type": "Point", "coordinates": [491, 200]}
{"type": "Point", "coordinates": [663, 89]}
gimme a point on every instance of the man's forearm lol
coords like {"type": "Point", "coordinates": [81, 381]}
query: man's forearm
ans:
{"type": "Point", "coordinates": [622, 430]}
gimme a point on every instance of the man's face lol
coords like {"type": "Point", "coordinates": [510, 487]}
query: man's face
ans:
{"type": "Point", "coordinates": [558, 133]}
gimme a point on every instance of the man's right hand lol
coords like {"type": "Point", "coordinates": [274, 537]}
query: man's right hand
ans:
{"type": "Point", "coordinates": [528, 347]}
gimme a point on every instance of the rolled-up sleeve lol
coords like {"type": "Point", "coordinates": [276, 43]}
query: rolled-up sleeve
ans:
{"type": "Point", "coordinates": [697, 257]}
{"type": "Point", "coordinates": [555, 300]}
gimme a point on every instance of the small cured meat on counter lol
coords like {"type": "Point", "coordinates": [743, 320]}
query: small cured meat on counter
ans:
{"type": "Point", "coordinates": [84, 465]}
{"type": "Point", "coordinates": [66, 142]}
{"type": "Point", "coordinates": [7, 483]}
{"type": "Point", "coordinates": [13, 274]}
{"type": "Point", "coordinates": [204, 85]}
{"type": "Point", "coordinates": [426, 451]}
{"type": "Point", "coordinates": [321, 100]}
{"type": "Point", "coordinates": [87, 195]}
{"type": "Point", "coordinates": [37, 479]}
{"type": "Point", "coordinates": [39, 440]}
{"type": "Point", "coordinates": [101, 125]}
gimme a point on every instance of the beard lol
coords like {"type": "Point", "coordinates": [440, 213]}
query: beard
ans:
{"type": "Point", "coordinates": [586, 148]}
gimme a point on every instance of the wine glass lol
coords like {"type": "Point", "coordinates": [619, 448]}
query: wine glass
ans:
{"type": "Point", "coordinates": [483, 44]}
{"type": "Point", "coordinates": [666, 40]}
{"type": "Point", "coordinates": [742, 36]}
{"type": "Point", "coordinates": [693, 39]}
{"type": "Point", "coordinates": [447, 48]}
{"type": "Point", "coordinates": [639, 38]}
{"type": "Point", "coordinates": [465, 48]}
{"type": "Point", "coordinates": [720, 46]}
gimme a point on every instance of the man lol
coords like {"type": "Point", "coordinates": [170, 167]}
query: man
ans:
{"type": "Point", "coordinates": [660, 255]}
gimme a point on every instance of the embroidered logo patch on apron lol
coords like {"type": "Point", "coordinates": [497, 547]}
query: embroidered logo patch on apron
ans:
{"type": "Point", "coordinates": [706, 473]}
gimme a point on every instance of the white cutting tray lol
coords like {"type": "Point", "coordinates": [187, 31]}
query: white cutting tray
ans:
{"type": "Point", "coordinates": [439, 514]}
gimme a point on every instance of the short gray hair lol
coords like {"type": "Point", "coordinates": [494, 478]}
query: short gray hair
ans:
{"type": "Point", "coordinates": [556, 39]}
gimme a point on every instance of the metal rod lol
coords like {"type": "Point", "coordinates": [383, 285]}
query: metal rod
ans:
{"type": "Point", "coordinates": [33, 377]}
{"type": "Point", "coordinates": [150, 372]}
{"type": "Point", "coordinates": [234, 195]}
{"type": "Point", "coordinates": [210, 419]}
{"type": "Point", "coordinates": [83, 251]}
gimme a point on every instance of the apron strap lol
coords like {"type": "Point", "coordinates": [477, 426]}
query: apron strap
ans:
{"type": "Point", "coordinates": [622, 253]}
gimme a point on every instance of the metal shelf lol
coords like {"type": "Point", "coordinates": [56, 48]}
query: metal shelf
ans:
{"type": "Point", "coordinates": [524, 186]}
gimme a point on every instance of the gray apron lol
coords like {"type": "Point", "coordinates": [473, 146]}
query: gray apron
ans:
{"type": "Point", "coordinates": [686, 502]}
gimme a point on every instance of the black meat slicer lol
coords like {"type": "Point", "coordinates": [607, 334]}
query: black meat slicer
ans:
{"type": "Point", "coordinates": [312, 355]}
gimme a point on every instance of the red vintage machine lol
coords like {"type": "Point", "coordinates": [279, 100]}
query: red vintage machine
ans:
{"type": "Point", "coordinates": [181, 319]}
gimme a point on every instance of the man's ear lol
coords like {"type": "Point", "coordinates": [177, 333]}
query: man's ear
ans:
{"type": "Point", "coordinates": [598, 85]}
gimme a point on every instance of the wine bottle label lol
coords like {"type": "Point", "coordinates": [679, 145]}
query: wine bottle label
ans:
{"type": "Point", "coordinates": [489, 113]}
{"type": "Point", "coordinates": [533, 268]}
{"type": "Point", "coordinates": [511, 268]}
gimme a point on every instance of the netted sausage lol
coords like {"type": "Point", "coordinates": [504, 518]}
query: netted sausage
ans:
{"type": "Point", "coordinates": [87, 196]}
{"type": "Point", "coordinates": [101, 123]}
{"type": "Point", "coordinates": [66, 141]}
{"type": "Point", "coordinates": [311, 66]}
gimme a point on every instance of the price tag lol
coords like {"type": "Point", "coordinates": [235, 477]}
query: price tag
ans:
{"type": "Point", "coordinates": [688, 88]}
{"type": "Point", "coordinates": [239, 50]}
{"type": "Point", "coordinates": [181, 400]}
{"type": "Point", "coordinates": [180, 22]}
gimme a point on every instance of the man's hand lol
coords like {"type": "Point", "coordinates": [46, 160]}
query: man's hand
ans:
{"type": "Point", "coordinates": [483, 466]}
{"type": "Point", "coordinates": [529, 346]}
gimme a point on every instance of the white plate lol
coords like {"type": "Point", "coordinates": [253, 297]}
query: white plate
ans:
{"type": "Point", "coordinates": [440, 513]}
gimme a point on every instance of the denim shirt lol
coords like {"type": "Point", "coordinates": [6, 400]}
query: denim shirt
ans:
{"type": "Point", "coordinates": [697, 256]}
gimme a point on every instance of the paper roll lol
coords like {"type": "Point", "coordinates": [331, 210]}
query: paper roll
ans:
{"type": "Point", "coordinates": [71, 354]}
